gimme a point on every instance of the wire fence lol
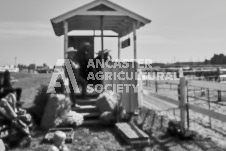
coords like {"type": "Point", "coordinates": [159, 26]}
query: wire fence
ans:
{"type": "Point", "coordinates": [198, 101]}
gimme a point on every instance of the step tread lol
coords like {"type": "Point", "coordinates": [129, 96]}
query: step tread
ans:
{"type": "Point", "coordinates": [90, 122]}
{"type": "Point", "coordinates": [92, 114]}
{"type": "Point", "coordinates": [84, 107]}
{"type": "Point", "coordinates": [86, 102]}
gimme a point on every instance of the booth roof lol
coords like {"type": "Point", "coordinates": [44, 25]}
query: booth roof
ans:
{"type": "Point", "coordinates": [88, 17]}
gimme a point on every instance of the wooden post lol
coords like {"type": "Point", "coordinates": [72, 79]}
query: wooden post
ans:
{"type": "Point", "coordinates": [102, 41]}
{"type": "Point", "coordinates": [183, 97]}
{"type": "Point", "coordinates": [181, 73]}
{"type": "Point", "coordinates": [219, 95]}
{"type": "Point", "coordinates": [65, 37]}
{"type": "Point", "coordinates": [140, 89]}
{"type": "Point", "coordinates": [102, 36]}
{"type": "Point", "coordinates": [187, 109]}
{"type": "Point", "coordinates": [94, 33]}
{"type": "Point", "coordinates": [156, 86]}
{"type": "Point", "coordinates": [208, 93]}
{"type": "Point", "coordinates": [119, 48]}
{"type": "Point", "coordinates": [194, 94]}
{"type": "Point", "coordinates": [135, 39]}
{"type": "Point", "coordinates": [178, 91]}
{"type": "Point", "coordinates": [219, 92]}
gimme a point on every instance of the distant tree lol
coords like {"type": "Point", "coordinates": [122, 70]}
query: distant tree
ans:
{"type": "Point", "coordinates": [45, 65]}
{"type": "Point", "coordinates": [32, 67]}
{"type": "Point", "coordinates": [206, 61]}
{"type": "Point", "coordinates": [22, 67]}
{"type": "Point", "coordinates": [216, 59]}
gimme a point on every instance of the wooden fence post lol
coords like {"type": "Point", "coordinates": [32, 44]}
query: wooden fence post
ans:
{"type": "Point", "coordinates": [208, 93]}
{"type": "Point", "coordinates": [156, 86]}
{"type": "Point", "coordinates": [178, 91]}
{"type": "Point", "coordinates": [183, 97]}
{"type": "Point", "coordinates": [219, 95]}
{"type": "Point", "coordinates": [187, 110]}
{"type": "Point", "coordinates": [218, 75]}
{"type": "Point", "coordinates": [140, 89]}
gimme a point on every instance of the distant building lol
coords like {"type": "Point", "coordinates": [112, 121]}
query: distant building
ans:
{"type": "Point", "coordinates": [10, 68]}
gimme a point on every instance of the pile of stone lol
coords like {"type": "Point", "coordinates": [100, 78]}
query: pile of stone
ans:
{"type": "Point", "coordinates": [110, 108]}
{"type": "Point", "coordinates": [58, 113]}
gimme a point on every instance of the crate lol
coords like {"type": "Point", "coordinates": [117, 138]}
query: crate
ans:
{"type": "Point", "coordinates": [132, 134]}
{"type": "Point", "coordinates": [68, 131]}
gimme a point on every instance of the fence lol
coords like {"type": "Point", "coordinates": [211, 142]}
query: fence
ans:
{"type": "Point", "coordinates": [182, 101]}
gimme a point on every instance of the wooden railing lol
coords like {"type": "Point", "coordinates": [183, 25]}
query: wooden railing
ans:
{"type": "Point", "coordinates": [183, 96]}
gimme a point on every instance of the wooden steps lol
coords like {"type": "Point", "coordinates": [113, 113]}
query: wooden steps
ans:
{"type": "Point", "coordinates": [89, 111]}
{"type": "Point", "coordinates": [86, 102]}
{"type": "Point", "coordinates": [90, 122]}
{"type": "Point", "coordinates": [94, 114]}
{"type": "Point", "coordinates": [85, 108]}
{"type": "Point", "coordinates": [89, 95]}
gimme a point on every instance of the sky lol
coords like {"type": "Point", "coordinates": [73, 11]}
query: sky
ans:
{"type": "Point", "coordinates": [180, 30]}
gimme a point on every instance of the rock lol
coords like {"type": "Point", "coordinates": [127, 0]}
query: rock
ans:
{"type": "Point", "coordinates": [107, 118]}
{"type": "Point", "coordinates": [56, 106]}
{"type": "Point", "coordinates": [107, 101]}
{"type": "Point", "coordinates": [53, 148]}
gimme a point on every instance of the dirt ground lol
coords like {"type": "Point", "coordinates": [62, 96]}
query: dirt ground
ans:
{"type": "Point", "coordinates": [206, 126]}
{"type": "Point", "coordinates": [99, 138]}
{"type": "Point", "coordinates": [94, 138]}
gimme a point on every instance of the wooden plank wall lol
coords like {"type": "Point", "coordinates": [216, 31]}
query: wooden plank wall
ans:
{"type": "Point", "coordinates": [129, 99]}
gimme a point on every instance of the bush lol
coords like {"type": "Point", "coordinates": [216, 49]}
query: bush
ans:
{"type": "Point", "coordinates": [40, 102]}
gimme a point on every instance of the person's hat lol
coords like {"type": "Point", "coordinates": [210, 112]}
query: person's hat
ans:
{"type": "Point", "coordinates": [59, 137]}
{"type": "Point", "coordinates": [86, 43]}
{"type": "Point", "coordinates": [104, 51]}
{"type": "Point", "coordinates": [71, 49]}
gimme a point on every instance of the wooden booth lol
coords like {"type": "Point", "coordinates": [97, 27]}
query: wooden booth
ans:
{"type": "Point", "coordinates": [101, 15]}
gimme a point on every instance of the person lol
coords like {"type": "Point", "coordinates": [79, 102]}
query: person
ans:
{"type": "Point", "coordinates": [6, 87]}
{"type": "Point", "coordinates": [99, 58]}
{"type": "Point", "coordinates": [2, 146]}
{"type": "Point", "coordinates": [80, 81]}
{"type": "Point", "coordinates": [85, 55]}
{"type": "Point", "coordinates": [17, 116]}
{"type": "Point", "coordinates": [106, 55]}
{"type": "Point", "coordinates": [59, 142]}
{"type": "Point", "coordinates": [61, 89]}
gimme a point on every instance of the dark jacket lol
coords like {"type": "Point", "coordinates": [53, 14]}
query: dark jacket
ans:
{"type": "Point", "coordinates": [5, 84]}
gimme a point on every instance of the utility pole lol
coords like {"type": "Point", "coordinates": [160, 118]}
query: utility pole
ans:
{"type": "Point", "coordinates": [15, 61]}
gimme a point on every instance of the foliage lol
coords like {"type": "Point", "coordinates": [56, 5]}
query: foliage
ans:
{"type": "Point", "coordinates": [40, 102]}
{"type": "Point", "coordinates": [216, 59]}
